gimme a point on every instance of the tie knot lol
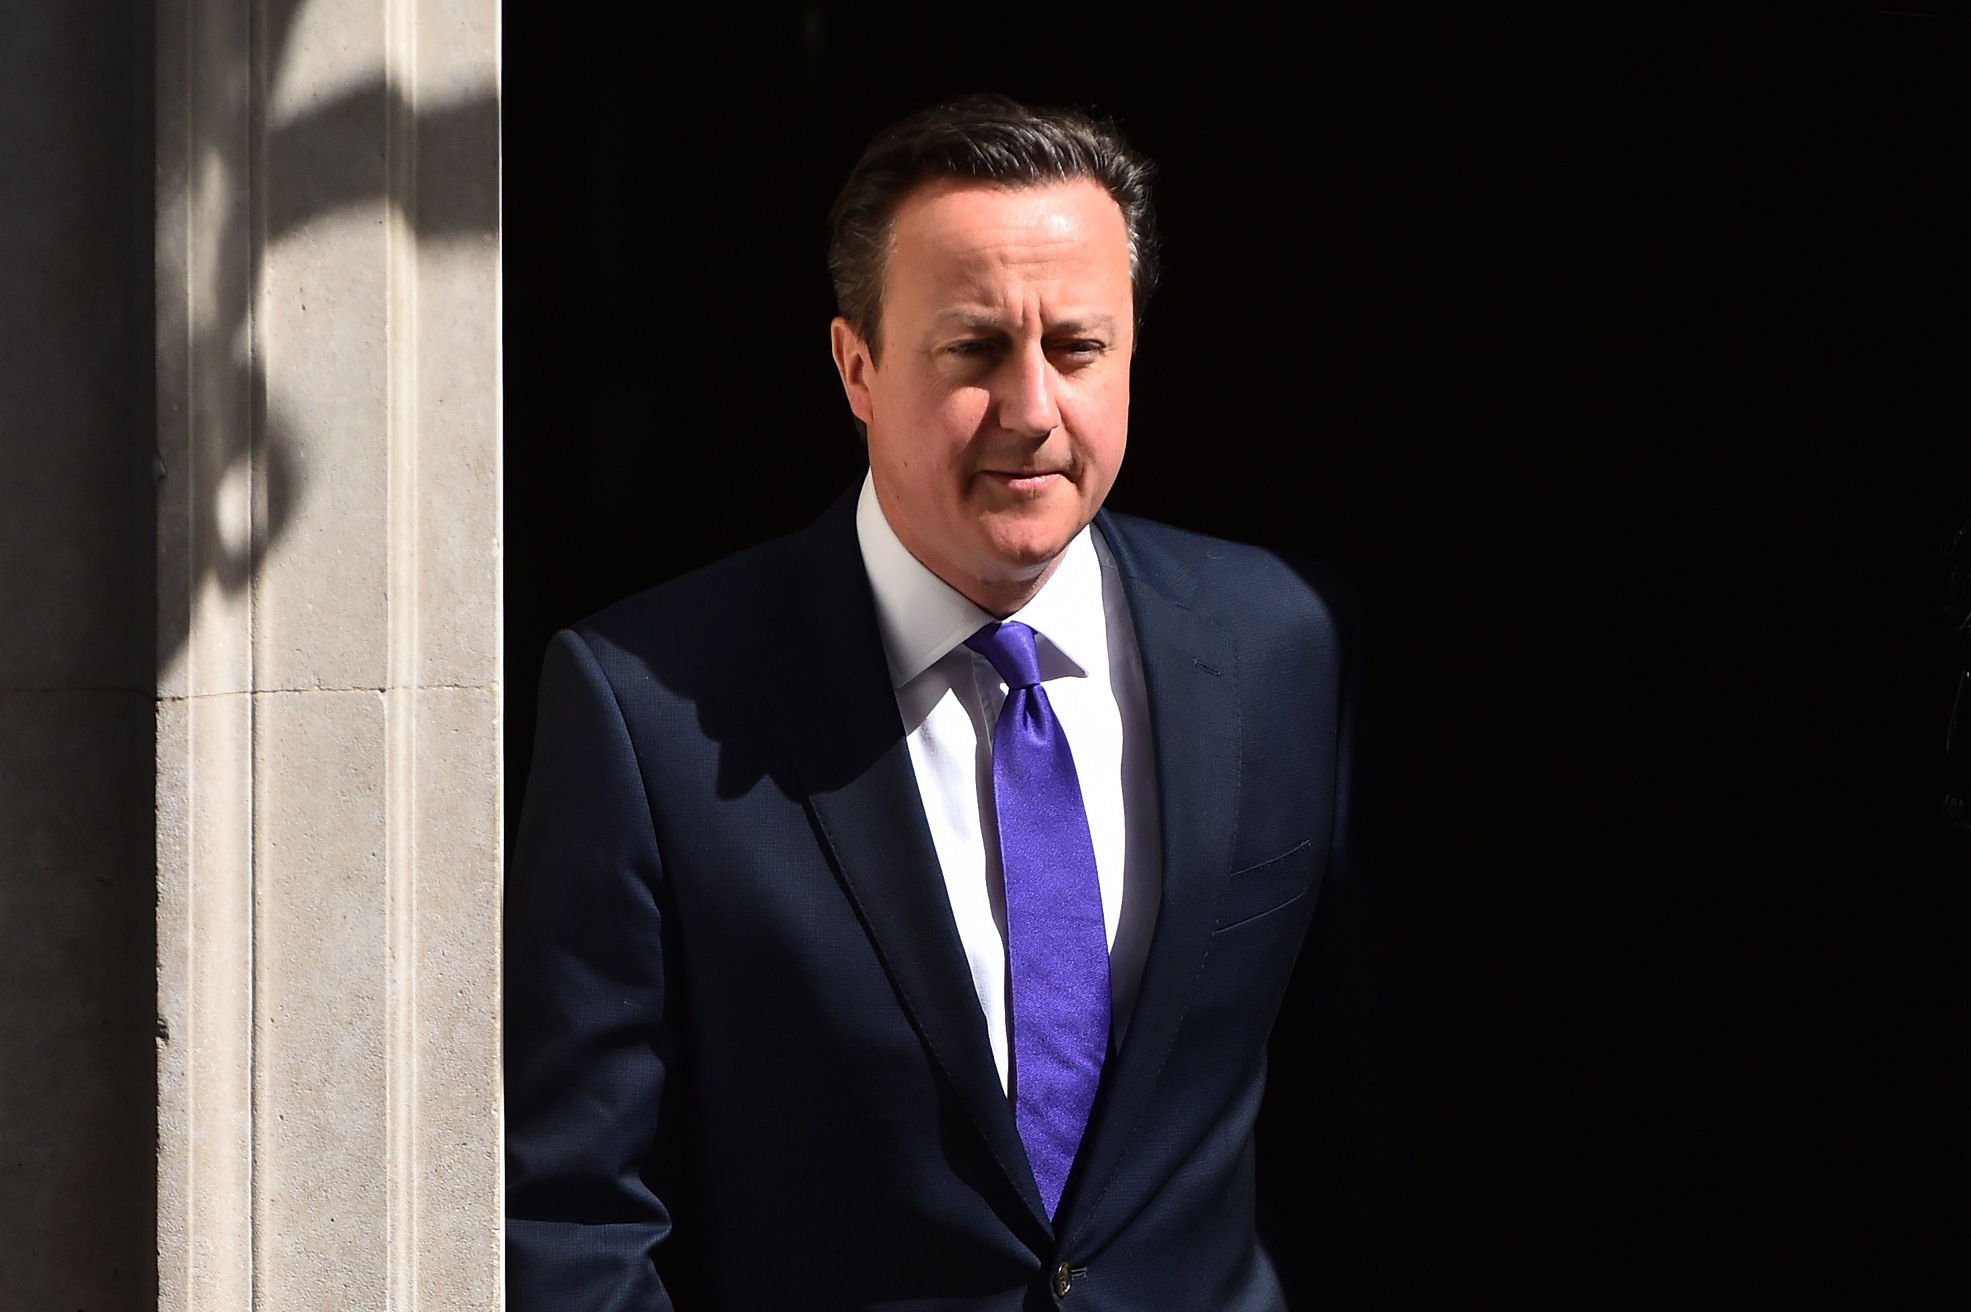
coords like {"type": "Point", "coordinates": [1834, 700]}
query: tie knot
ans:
{"type": "Point", "coordinates": [1009, 646]}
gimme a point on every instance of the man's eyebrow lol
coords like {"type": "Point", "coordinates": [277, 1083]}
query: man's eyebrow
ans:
{"type": "Point", "coordinates": [1100, 323]}
{"type": "Point", "coordinates": [973, 319]}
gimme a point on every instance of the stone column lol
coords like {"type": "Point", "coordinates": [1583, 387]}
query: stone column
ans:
{"type": "Point", "coordinates": [328, 781]}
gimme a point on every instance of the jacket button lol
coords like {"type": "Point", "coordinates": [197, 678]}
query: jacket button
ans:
{"type": "Point", "coordinates": [1063, 1278]}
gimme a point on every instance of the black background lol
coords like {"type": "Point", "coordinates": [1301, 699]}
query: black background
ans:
{"type": "Point", "coordinates": [1621, 359]}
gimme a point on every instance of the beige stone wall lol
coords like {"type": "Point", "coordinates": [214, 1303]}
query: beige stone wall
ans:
{"type": "Point", "coordinates": [328, 786]}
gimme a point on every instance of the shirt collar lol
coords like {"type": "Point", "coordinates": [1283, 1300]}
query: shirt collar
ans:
{"type": "Point", "coordinates": [923, 618]}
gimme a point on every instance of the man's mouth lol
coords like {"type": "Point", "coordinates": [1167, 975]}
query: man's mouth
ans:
{"type": "Point", "coordinates": [1024, 480]}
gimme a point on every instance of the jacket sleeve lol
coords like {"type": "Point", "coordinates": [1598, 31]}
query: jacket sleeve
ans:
{"type": "Point", "coordinates": [587, 1049]}
{"type": "Point", "coordinates": [1339, 1204]}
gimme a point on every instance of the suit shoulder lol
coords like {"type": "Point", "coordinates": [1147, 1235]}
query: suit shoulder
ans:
{"type": "Point", "coordinates": [705, 617]}
{"type": "Point", "coordinates": [1247, 588]}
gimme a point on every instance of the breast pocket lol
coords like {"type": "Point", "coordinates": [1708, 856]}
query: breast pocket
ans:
{"type": "Point", "coordinates": [1268, 886]}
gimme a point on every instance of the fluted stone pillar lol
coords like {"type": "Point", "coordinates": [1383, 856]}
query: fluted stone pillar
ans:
{"type": "Point", "coordinates": [328, 784]}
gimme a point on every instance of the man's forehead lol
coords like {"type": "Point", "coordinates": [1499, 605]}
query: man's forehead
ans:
{"type": "Point", "coordinates": [986, 316]}
{"type": "Point", "coordinates": [972, 222]}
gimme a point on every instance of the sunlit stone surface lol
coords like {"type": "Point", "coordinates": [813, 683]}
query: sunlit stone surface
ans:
{"type": "Point", "coordinates": [328, 783]}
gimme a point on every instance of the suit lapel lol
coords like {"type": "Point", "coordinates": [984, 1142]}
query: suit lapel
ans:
{"type": "Point", "coordinates": [846, 737]}
{"type": "Point", "coordinates": [1190, 669]}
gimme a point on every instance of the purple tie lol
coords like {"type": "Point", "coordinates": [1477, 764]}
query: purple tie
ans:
{"type": "Point", "coordinates": [1057, 950]}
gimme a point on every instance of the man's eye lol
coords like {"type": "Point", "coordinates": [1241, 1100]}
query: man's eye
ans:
{"type": "Point", "coordinates": [969, 348]}
{"type": "Point", "coordinates": [1081, 348]}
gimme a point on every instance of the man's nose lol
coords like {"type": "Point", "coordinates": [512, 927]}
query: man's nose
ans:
{"type": "Point", "coordinates": [1027, 404]}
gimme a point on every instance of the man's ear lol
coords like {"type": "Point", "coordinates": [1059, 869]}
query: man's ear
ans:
{"type": "Point", "coordinates": [853, 363]}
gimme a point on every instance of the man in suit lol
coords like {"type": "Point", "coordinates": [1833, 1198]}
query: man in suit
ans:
{"type": "Point", "coordinates": [901, 911]}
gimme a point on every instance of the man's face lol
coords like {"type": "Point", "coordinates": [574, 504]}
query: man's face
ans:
{"type": "Point", "coordinates": [999, 412]}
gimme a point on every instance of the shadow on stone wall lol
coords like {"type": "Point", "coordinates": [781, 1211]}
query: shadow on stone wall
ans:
{"type": "Point", "coordinates": [320, 161]}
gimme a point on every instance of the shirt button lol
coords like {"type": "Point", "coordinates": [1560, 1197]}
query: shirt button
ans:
{"type": "Point", "coordinates": [1063, 1278]}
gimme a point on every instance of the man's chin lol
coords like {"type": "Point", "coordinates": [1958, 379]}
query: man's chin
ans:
{"type": "Point", "coordinates": [1023, 549]}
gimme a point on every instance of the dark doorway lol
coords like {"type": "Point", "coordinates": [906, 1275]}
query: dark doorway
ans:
{"type": "Point", "coordinates": [1625, 363]}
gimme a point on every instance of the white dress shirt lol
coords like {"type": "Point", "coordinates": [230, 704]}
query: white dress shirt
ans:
{"type": "Point", "coordinates": [950, 697]}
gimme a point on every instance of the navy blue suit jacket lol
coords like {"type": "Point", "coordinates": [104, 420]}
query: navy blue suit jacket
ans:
{"type": "Point", "coordinates": [746, 1066]}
